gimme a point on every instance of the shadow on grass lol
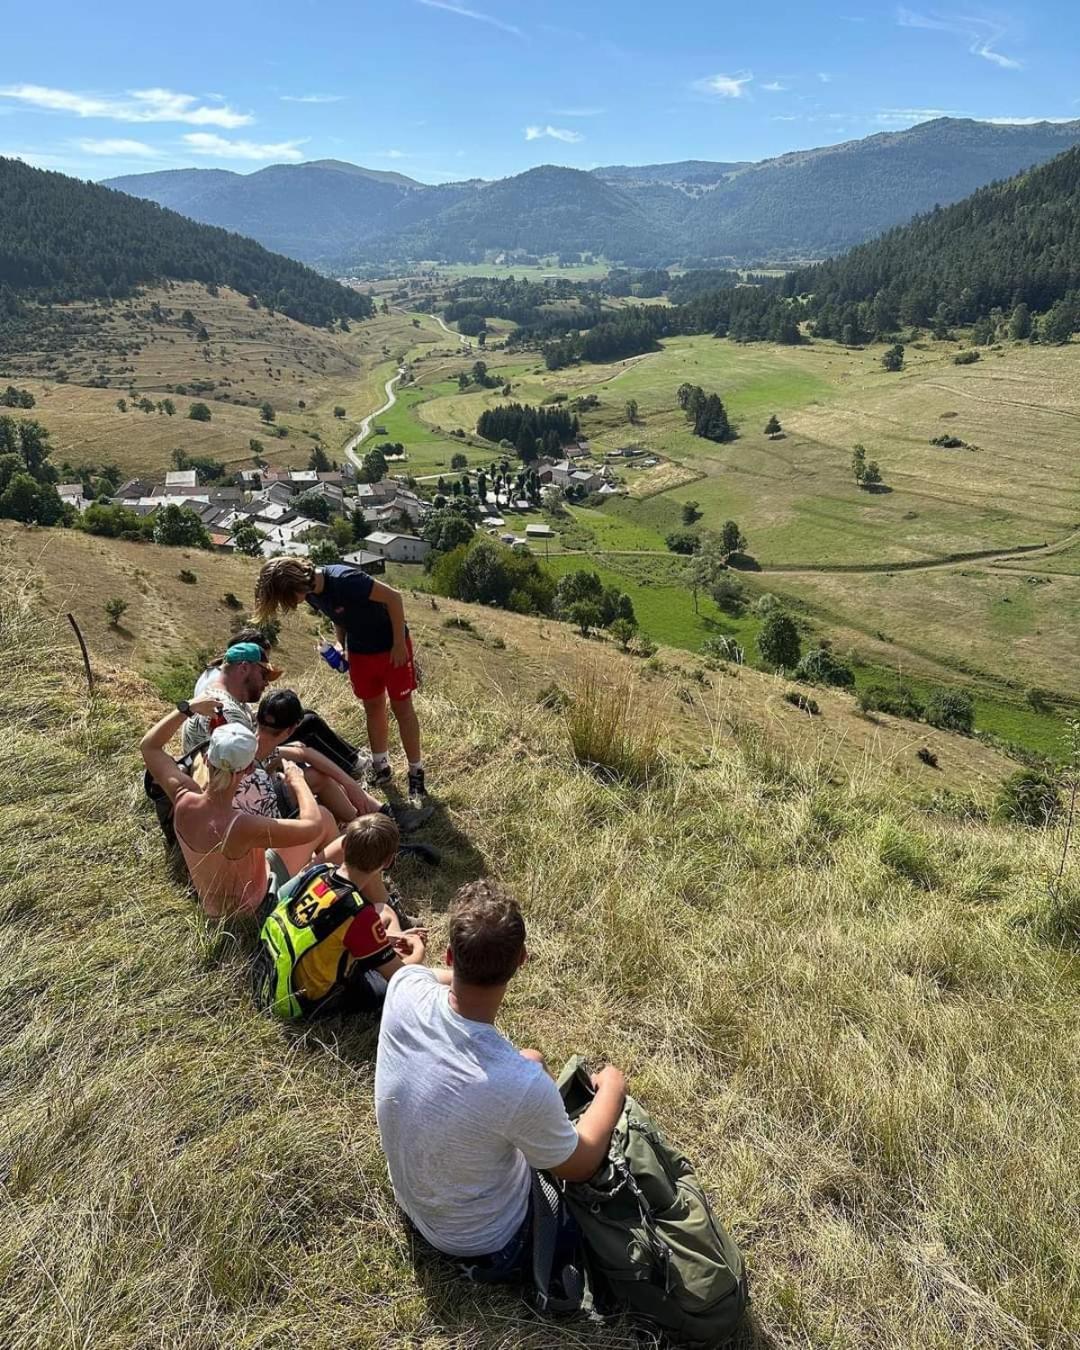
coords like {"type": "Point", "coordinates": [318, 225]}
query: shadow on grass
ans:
{"type": "Point", "coordinates": [426, 887]}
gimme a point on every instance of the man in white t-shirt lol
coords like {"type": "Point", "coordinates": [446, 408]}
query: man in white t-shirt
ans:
{"type": "Point", "coordinates": [463, 1115]}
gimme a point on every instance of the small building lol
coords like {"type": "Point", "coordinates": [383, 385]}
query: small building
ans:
{"type": "Point", "coordinates": [493, 522]}
{"type": "Point", "coordinates": [401, 548]}
{"type": "Point", "coordinates": [585, 478]}
{"type": "Point", "coordinates": [303, 478]}
{"type": "Point", "coordinates": [135, 488]}
{"type": "Point", "coordinates": [372, 563]}
{"type": "Point", "coordinates": [181, 481]}
{"type": "Point", "coordinates": [609, 490]}
{"type": "Point", "coordinates": [71, 494]}
{"type": "Point", "coordinates": [538, 530]}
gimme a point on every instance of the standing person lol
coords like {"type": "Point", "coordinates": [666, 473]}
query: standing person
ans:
{"type": "Point", "coordinates": [463, 1115]}
{"type": "Point", "coordinates": [226, 849]}
{"type": "Point", "coordinates": [369, 623]}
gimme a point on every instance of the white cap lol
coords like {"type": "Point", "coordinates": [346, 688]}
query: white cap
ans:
{"type": "Point", "coordinates": [232, 747]}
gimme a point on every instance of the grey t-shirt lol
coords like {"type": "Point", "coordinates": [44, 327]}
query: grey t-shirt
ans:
{"type": "Point", "coordinates": [462, 1118]}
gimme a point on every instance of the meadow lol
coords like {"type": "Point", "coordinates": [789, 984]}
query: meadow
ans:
{"type": "Point", "coordinates": [863, 1034]}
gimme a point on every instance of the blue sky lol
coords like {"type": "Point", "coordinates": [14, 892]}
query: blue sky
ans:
{"type": "Point", "coordinates": [442, 89]}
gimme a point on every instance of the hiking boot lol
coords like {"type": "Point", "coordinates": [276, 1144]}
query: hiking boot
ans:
{"type": "Point", "coordinates": [380, 777]}
{"type": "Point", "coordinates": [410, 818]}
{"type": "Point", "coordinates": [417, 790]}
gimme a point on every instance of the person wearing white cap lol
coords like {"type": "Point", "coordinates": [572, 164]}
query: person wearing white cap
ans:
{"type": "Point", "coordinates": [226, 849]}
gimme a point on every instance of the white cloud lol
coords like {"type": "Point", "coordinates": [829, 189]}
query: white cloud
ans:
{"type": "Point", "coordinates": [1023, 121]}
{"type": "Point", "coordinates": [137, 105]}
{"type": "Point", "coordinates": [824, 77]}
{"type": "Point", "coordinates": [555, 133]}
{"type": "Point", "coordinates": [981, 35]}
{"type": "Point", "coordinates": [775, 87]}
{"type": "Point", "coordinates": [392, 154]}
{"type": "Point", "coordinates": [580, 112]}
{"type": "Point", "coordinates": [785, 117]}
{"type": "Point", "coordinates": [313, 98]}
{"type": "Point", "coordinates": [465, 13]}
{"type": "Point", "coordinates": [218, 147]}
{"type": "Point", "coordinates": [725, 86]}
{"type": "Point", "coordinates": [892, 115]}
{"type": "Point", "coordinates": [119, 146]}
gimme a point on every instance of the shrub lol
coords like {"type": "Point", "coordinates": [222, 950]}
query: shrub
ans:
{"type": "Point", "coordinates": [730, 595]}
{"type": "Point", "coordinates": [723, 649]}
{"type": "Point", "coordinates": [453, 621]}
{"type": "Point", "coordinates": [188, 577]}
{"type": "Point", "coordinates": [802, 701]}
{"type": "Point", "coordinates": [927, 756]}
{"type": "Point", "coordinates": [610, 732]}
{"type": "Point", "coordinates": [952, 710]}
{"type": "Point", "coordinates": [778, 641]}
{"type": "Point", "coordinates": [1029, 797]}
{"type": "Point", "coordinates": [897, 702]}
{"type": "Point", "coordinates": [199, 412]}
{"type": "Point", "coordinates": [230, 601]}
{"type": "Point", "coordinates": [820, 666]}
{"type": "Point", "coordinates": [115, 608]}
{"type": "Point", "coordinates": [965, 358]}
{"type": "Point", "coordinates": [1039, 700]}
{"type": "Point", "coordinates": [683, 541]}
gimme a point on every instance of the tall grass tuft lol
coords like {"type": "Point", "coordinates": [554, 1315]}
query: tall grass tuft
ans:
{"type": "Point", "coordinates": [609, 726]}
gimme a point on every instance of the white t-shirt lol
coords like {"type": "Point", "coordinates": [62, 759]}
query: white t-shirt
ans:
{"type": "Point", "coordinates": [462, 1118]}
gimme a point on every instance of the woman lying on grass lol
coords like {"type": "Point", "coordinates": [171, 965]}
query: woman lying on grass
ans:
{"type": "Point", "coordinates": [226, 849]}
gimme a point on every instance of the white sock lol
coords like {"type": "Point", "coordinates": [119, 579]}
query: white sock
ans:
{"type": "Point", "coordinates": [418, 765]}
{"type": "Point", "coordinates": [381, 759]}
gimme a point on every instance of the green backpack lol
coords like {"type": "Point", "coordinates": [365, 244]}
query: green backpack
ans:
{"type": "Point", "coordinates": [652, 1243]}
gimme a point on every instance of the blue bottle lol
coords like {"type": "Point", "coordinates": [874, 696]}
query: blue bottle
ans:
{"type": "Point", "coordinates": [333, 658]}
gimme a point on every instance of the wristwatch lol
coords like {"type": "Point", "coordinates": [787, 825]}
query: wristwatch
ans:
{"type": "Point", "coordinates": [184, 707]}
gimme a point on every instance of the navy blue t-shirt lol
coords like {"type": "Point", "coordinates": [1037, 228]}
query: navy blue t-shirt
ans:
{"type": "Point", "coordinates": [346, 600]}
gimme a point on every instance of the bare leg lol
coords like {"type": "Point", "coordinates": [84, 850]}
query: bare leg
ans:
{"type": "Point", "coordinates": [409, 726]}
{"type": "Point", "coordinates": [378, 725]}
{"type": "Point", "coordinates": [300, 855]}
{"type": "Point", "coordinates": [332, 795]}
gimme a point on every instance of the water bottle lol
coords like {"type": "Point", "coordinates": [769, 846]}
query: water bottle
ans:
{"type": "Point", "coordinates": [333, 658]}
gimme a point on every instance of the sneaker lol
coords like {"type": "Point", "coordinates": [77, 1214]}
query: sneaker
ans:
{"type": "Point", "coordinates": [361, 768]}
{"type": "Point", "coordinates": [417, 790]}
{"type": "Point", "coordinates": [380, 777]}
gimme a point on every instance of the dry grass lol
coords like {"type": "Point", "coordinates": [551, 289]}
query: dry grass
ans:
{"type": "Point", "coordinates": [251, 356]}
{"type": "Point", "coordinates": [610, 729]}
{"type": "Point", "coordinates": [857, 1017]}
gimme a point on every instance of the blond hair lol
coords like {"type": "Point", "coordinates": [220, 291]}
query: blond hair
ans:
{"type": "Point", "coordinates": [371, 842]}
{"type": "Point", "coordinates": [282, 584]}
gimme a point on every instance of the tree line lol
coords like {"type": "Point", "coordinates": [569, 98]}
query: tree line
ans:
{"type": "Point", "coordinates": [531, 431]}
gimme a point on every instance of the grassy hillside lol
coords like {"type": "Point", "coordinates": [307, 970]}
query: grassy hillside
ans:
{"type": "Point", "coordinates": [854, 1012]}
{"type": "Point", "coordinates": [248, 356]}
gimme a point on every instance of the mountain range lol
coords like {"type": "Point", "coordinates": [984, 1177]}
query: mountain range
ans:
{"type": "Point", "coordinates": [803, 205]}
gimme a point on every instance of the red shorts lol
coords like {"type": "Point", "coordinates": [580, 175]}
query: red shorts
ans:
{"type": "Point", "coordinates": [372, 674]}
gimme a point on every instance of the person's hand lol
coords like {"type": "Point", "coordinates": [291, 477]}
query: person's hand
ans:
{"type": "Point", "coordinates": [292, 772]}
{"type": "Point", "coordinates": [612, 1078]}
{"type": "Point", "coordinates": [410, 946]}
{"type": "Point", "coordinates": [399, 653]}
{"type": "Point", "coordinates": [205, 706]}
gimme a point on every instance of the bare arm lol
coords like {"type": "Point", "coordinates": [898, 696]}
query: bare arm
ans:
{"type": "Point", "coordinates": [163, 768]}
{"type": "Point", "coordinates": [395, 605]}
{"type": "Point", "coordinates": [595, 1126]}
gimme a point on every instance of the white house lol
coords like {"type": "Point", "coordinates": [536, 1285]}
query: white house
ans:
{"type": "Point", "coordinates": [538, 530]}
{"type": "Point", "coordinates": [303, 478]}
{"type": "Point", "coordinates": [403, 548]}
{"type": "Point", "coordinates": [181, 481]}
{"type": "Point", "coordinates": [71, 494]}
{"type": "Point", "coordinates": [584, 478]}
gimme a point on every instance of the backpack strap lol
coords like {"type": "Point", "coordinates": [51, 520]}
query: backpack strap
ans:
{"type": "Point", "coordinates": [565, 1291]}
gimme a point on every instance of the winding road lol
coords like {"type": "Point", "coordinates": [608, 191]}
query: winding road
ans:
{"type": "Point", "coordinates": [365, 426]}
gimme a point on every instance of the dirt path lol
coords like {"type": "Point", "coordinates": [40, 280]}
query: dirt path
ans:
{"type": "Point", "coordinates": [391, 398]}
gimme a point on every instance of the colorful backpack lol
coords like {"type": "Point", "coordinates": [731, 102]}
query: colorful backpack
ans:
{"type": "Point", "coordinates": [315, 907]}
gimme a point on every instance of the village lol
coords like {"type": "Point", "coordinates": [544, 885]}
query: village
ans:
{"type": "Point", "coordinates": [291, 508]}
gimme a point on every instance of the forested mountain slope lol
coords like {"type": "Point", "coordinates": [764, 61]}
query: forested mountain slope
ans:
{"type": "Point", "coordinates": [63, 239]}
{"type": "Point", "coordinates": [807, 204]}
{"type": "Point", "coordinates": [1014, 242]}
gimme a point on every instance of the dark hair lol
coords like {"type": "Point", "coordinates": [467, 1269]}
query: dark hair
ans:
{"type": "Point", "coordinates": [256, 635]}
{"type": "Point", "coordinates": [487, 933]}
{"type": "Point", "coordinates": [371, 842]}
{"type": "Point", "coordinates": [280, 710]}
